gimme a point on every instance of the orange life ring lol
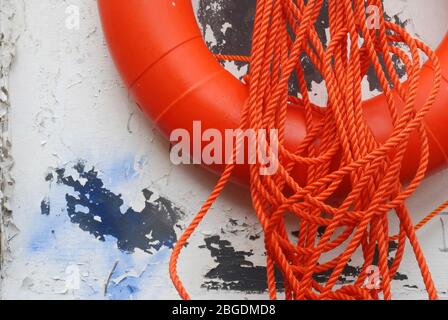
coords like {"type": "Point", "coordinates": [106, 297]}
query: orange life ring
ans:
{"type": "Point", "coordinates": [159, 51]}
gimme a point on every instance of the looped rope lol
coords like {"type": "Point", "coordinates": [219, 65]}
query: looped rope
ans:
{"type": "Point", "coordinates": [338, 148]}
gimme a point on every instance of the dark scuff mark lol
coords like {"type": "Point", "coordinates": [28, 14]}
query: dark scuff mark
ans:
{"type": "Point", "coordinates": [352, 272]}
{"type": "Point", "coordinates": [97, 210]}
{"type": "Point", "coordinates": [238, 37]}
{"type": "Point", "coordinates": [234, 271]}
{"type": "Point", "coordinates": [410, 286]}
{"type": "Point", "coordinates": [254, 237]}
{"type": "Point", "coordinates": [242, 228]}
{"type": "Point", "coordinates": [399, 276]}
{"type": "Point", "coordinates": [45, 207]}
{"type": "Point", "coordinates": [49, 177]}
{"type": "Point", "coordinates": [320, 232]}
{"type": "Point", "coordinates": [393, 246]}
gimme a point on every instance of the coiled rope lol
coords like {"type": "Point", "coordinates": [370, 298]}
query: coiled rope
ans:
{"type": "Point", "coordinates": [338, 148]}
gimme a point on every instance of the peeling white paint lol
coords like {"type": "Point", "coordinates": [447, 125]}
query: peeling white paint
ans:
{"type": "Point", "coordinates": [11, 27]}
{"type": "Point", "coordinates": [77, 108]}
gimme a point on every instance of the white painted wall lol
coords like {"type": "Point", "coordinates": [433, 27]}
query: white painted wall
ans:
{"type": "Point", "coordinates": [68, 104]}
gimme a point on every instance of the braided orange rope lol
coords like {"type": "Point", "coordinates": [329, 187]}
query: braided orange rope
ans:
{"type": "Point", "coordinates": [341, 147]}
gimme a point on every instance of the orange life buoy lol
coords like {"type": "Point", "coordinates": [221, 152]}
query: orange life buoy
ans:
{"type": "Point", "coordinates": [159, 51]}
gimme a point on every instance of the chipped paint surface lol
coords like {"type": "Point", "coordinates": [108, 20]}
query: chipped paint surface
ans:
{"type": "Point", "coordinates": [96, 200]}
{"type": "Point", "coordinates": [11, 27]}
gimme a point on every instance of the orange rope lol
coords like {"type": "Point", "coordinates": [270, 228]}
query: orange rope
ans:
{"type": "Point", "coordinates": [339, 148]}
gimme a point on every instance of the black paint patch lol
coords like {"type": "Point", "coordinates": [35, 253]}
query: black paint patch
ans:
{"type": "Point", "coordinates": [254, 237]}
{"type": "Point", "coordinates": [234, 271]}
{"type": "Point", "coordinates": [400, 276]}
{"type": "Point", "coordinates": [399, 67]}
{"type": "Point", "coordinates": [97, 210]}
{"type": "Point", "coordinates": [393, 246]}
{"type": "Point", "coordinates": [410, 286]}
{"type": "Point", "coordinates": [352, 272]}
{"type": "Point", "coordinates": [45, 207]}
{"type": "Point", "coordinates": [237, 39]}
{"type": "Point", "coordinates": [239, 14]}
{"type": "Point", "coordinates": [320, 232]}
{"type": "Point", "coordinates": [49, 177]}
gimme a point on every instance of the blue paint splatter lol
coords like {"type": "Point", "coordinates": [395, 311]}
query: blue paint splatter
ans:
{"type": "Point", "coordinates": [97, 210]}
